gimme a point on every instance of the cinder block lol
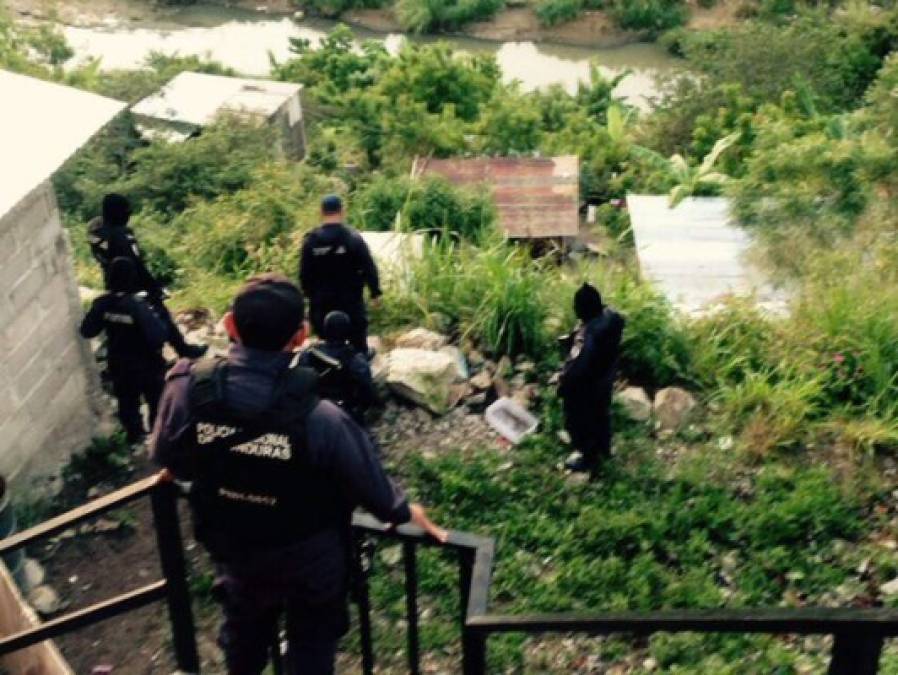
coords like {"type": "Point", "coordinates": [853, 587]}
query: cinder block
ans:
{"type": "Point", "coordinates": [20, 327]}
{"type": "Point", "coordinates": [54, 294]}
{"type": "Point", "coordinates": [18, 360]}
{"type": "Point", "coordinates": [15, 270]}
{"type": "Point", "coordinates": [8, 406]}
{"type": "Point", "coordinates": [30, 378]}
{"type": "Point", "coordinates": [35, 213]}
{"type": "Point", "coordinates": [46, 236]}
{"type": "Point", "coordinates": [26, 289]}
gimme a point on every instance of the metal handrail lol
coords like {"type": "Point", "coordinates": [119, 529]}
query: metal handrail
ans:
{"type": "Point", "coordinates": [859, 633]}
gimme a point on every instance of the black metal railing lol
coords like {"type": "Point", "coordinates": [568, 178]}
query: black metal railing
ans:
{"type": "Point", "coordinates": [858, 633]}
{"type": "Point", "coordinates": [172, 587]}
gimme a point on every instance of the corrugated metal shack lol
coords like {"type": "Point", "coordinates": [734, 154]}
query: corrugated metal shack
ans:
{"type": "Point", "coordinates": [536, 197]}
{"type": "Point", "coordinates": [191, 101]}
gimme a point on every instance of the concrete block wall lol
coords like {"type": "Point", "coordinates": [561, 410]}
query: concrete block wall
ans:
{"type": "Point", "coordinates": [47, 378]}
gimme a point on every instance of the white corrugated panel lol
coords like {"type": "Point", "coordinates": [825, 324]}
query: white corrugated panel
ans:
{"type": "Point", "coordinates": [695, 254]}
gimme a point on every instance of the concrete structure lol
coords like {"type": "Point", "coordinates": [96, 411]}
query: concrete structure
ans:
{"type": "Point", "coordinates": [46, 371]}
{"type": "Point", "coordinates": [191, 101]}
{"type": "Point", "coordinates": [536, 197]}
{"type": "Point", "coordinates": [695, 254]}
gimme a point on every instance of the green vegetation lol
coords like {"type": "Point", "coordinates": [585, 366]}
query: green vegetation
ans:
{"type": "Point", "coordinates": [778, 492]}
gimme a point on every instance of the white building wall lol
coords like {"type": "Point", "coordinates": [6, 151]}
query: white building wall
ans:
{"type": "Point", "coordinates": [46, 372]}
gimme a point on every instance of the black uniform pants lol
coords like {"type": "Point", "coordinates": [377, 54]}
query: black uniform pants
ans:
{"type": "Point", "coordinates": [306, 583]}
{"type": "Point", "coordinates": [129, 387]}
{"type": "Point", "coordinates": [319, 308]}
{"type": "Point", "coordinates": [175, 339]}
{"type": "Point", "coordinates": [589, 424]}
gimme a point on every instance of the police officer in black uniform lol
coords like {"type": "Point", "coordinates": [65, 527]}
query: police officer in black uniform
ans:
{"type": "Point", "coordinates": [110, 237]}
{"type": "Point", "coordinates": [344, 375]}
{"type": "Point", "coordinates": [587, 380]}
{"type": "Point", "coordinates": [134, 338]}
{"type": "Point", "coordinates": [276, 473]}
{"type": "Point", "coordinates": [335, 266]}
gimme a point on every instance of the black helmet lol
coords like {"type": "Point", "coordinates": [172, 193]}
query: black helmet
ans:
{"type": "Point", "coordinates": [336, 326]}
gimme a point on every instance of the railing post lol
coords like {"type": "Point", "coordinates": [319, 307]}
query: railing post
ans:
{"type": "Point", "coordinates": [360, 577]}
{"type": "Point", "coordinates": [473, 643]}
{"type": "Point", "coordinates": [409, 560]}
{"type": "Point", "coordinates": [171, 558]}
{"type": "Point", "coordinates": [855, 654]}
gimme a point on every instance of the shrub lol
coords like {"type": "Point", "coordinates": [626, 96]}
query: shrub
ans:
{"type": "Point", "coordinates": [165, 177]}
{"type": "Point", "coordinates": [424, 16]}
{"type": "Point", "coordinates": [835, 61]}
{"type": "Point", "coordinates": [430, 204]}
{"type": "Point", "coordinates": [648, 16]}
{"type": "Point", "coordinates": [492, 293]}
{"type": "Point", "coordinates": [553, 12]}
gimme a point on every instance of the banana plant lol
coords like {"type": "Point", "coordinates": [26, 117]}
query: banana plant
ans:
{"type": "Point", "coordinates": [689, 179]}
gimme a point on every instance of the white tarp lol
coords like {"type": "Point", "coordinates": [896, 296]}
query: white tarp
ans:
{"type": "Point", "coordinates": [41, 125]}
{"type": "Point", "coordinates": [393, 251]}
{"type": "Point", "coordinates": [695, 254]}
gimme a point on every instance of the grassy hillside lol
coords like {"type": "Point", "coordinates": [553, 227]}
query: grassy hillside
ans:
{"type": "Point", "coordinates": [779, 492]}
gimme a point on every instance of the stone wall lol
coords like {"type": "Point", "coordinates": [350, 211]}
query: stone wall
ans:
{"type": "Point", "coordinates": [46, 374]}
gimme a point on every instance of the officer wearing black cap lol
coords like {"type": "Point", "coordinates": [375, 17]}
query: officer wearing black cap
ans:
{"type": "Point", "coordinates": [110, 237]}
{"type": "Point", "coordinates": [134, 338]}
{"type": "Point", "coordinates": [587, 380]}
{"type": "Point", "coordinates": [276, 473]}
{"type": "Point", "coordinates": [344, 375]}
{"type": "Point", "coordinates": [335, 266]}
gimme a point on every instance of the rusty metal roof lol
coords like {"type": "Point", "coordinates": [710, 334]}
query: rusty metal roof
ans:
{"type": "Point", "coordinates": [535, 196]}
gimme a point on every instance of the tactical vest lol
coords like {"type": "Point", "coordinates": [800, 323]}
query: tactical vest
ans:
{"type": "Point", "coordinates": [335, 382]}
{"type": "Point", "coordinates": [255, 486]}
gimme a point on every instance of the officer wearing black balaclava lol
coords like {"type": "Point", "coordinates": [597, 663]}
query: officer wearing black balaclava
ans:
{"type": "Point", "coordinates": [587, 380]}
{"type": "Point", "coordinates": [344, 375]}
{"type": "Point", "coordinates": [110, 237]}
{"type": "Point", "coordinates": [134, 338]}
{"type": "Point", "coordinates": [335, 266]}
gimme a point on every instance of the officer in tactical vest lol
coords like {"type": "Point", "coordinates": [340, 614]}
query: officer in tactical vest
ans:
{"type": "Point", "coordinates": [110, 237]}
{"type": "Point", "coordinates": [587, 380]}
{"type": "Point", "coordinates": [276, 473]}
{"type": "Point", "coordinates": [134, 338]}
{"type": "Point", "coordinates": [344, 375]}
{"type": "Point", "coordinates": [335, 266]}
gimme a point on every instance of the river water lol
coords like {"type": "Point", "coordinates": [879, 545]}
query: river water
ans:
{"type": "Point", "coordinates": [246, 41]}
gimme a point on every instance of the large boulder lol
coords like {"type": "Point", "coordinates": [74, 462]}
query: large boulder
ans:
{"type": "Point", "coordinates": [635, 403]}
{"type": "Point", "coordinates": [421, 338]}
{"type": "Point", "coordinates": [423, 377]}
{"type": "Point", "coordinates": [673, 406]}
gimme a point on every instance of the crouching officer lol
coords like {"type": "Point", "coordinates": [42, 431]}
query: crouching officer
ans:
{"type": "Point", "coordinates": [110, 237]}
{"type": "Point", "coordinates": [344, 375]}
{"type": "Point", "coordinates": [134, 338]}
{"type": "Point", "coordinates": [335, 266]}
{"type": "Point", "coordinates": [276, 475]}
{"type": "Point", "coordinates": [587, 380]}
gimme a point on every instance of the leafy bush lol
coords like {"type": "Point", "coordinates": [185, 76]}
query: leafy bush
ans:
{"type": "Point", "coordinates": [165, 177]}
{"type": "Point", "coordinates": [256, 229]}
{"type": "Point", "coordinates": [430, 204]}
{"type": "Point", "coordinates": [553, 12]}
{"type": "Point", "coordinates": [423, 16]}
{"type": "Point", "coordinates": [835, 62]}
{"type": "Point", "coordinates": [649, 16]}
